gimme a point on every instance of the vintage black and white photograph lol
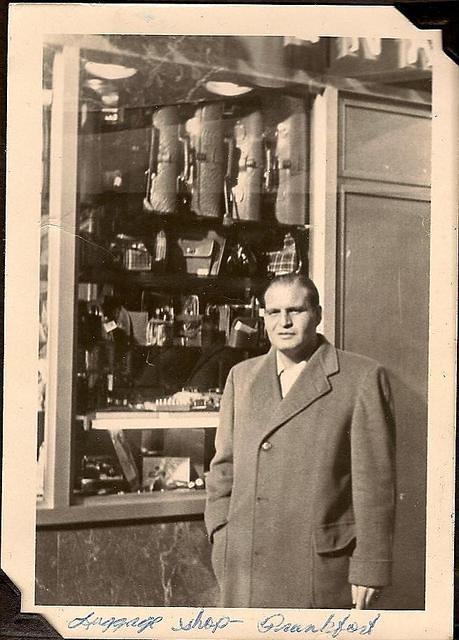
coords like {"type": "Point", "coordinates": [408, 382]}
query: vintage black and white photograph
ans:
{"type": "Point", "coordinates": [233, 322]}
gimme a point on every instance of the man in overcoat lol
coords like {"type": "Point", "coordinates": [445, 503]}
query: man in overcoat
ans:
{"type": "Point", "coordinates": [301, 489]}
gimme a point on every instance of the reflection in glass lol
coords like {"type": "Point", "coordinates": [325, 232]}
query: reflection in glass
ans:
{"type": "Point", "coordinates": [43, 297]}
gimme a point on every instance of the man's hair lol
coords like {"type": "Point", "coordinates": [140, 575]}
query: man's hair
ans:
{"type": "Point", "coordinates": [296, 278]}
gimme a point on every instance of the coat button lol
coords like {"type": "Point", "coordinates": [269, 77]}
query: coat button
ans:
{"type": "Point", "coordinates": [266, 446]}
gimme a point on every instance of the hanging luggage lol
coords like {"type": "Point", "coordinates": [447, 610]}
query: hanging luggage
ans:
{"type": "Point", "coordinates": [205, 130]}
{"type": "Point", "coordinates": [291, 155]}
{"type": "Point", "coordinates": [165, 156]}
{"type": "Point", "coordinates": [248, 137]}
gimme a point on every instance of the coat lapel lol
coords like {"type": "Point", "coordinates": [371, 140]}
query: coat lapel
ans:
{"type": "Point", "coordinates": [311, 384]}
{"type": "Point", "coordinates": [265, 394]}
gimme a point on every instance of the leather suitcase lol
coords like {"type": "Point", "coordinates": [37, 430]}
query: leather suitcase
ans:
{"type": "Point", "coordinates": [248, 135]}
{"type": "Point", "coordinates": [205, 130]}
{"type": "Point", "coordinates": [163, 169]}
{"type": "Point", "coordinates": [291, 154]}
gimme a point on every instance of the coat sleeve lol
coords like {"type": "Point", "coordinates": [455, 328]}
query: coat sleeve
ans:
{"type": "Point", "coordinates": [219, 482]}
{"type": "Point", "coordinates": [373, 481]}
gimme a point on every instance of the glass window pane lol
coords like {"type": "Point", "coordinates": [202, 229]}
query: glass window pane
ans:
{"type": "Point", "coordinates": [48, 55]}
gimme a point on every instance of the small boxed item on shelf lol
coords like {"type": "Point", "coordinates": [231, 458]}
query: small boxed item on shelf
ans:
{"type": "Point", "coordinates": [99, 476]}
{"type": "Point", "coordinates": [160, 473]}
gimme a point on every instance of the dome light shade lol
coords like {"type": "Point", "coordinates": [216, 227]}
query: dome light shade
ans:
{"type": "Point", "coordinates": [226, 88]}
{"type": "Point", "coordinates": [109, 71]}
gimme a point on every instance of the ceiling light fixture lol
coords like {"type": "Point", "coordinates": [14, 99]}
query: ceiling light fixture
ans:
{"type": "Point", "coordinates": [109, 71]}
{"type": "Point", "coordinates": [230, 89]}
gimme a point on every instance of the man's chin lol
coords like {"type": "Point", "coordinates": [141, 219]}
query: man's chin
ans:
{"type": "Point", "coordinates": [288, 349]}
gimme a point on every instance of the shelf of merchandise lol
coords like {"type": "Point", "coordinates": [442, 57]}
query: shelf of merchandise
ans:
{"type": "Point", "coordinates": [120, 420]}
{"type": "Point", "coordinates": [60, 505]}
{"type": "Point", "coordinates": [177, 503]}
{"type": "Point", "coordinates": [173, 281]}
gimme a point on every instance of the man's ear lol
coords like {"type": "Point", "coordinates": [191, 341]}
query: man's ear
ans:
{"type": "Point", "coordinates": [318, 314]}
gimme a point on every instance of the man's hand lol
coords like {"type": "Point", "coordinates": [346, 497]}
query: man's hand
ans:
{"type": "Point", "coordinates": [362, 596]}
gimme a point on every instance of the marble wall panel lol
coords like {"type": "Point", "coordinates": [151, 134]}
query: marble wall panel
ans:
{"type": "Point", "coordinates": [142, 564]}
{"type": "Point", "coordinates": [46, 567]}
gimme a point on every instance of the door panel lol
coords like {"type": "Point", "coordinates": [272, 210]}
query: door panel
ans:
{"type": "Point", "coordinates": [383, 312]}
{"type": "Point", "coordinates": [384, 142]}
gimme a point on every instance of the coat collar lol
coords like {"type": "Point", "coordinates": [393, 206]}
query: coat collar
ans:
{"type": "Point", "coordinates": [312, 383]}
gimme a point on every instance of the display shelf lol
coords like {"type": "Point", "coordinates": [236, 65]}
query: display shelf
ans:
{"type": "Point", "coordinates": [174, 281]}
{"type": "Point", "coordinates": [129, 506]}
{"type": "Point", "coordinates": [188, 220]}
{"type": "Point", "coordinates": [118, 420]}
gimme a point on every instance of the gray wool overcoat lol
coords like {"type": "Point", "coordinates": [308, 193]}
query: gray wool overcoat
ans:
{"type": "Point", "coordinates": [301, 489]}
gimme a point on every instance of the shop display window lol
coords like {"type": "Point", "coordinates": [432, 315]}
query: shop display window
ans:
{"type": "Point", "coordinates": [179, 205]}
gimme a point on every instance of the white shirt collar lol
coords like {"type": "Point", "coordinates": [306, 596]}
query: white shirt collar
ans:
{"type": "Point", "coordinates": [288, 375]}
{"type": "Point", "coordinates": [280, 364]}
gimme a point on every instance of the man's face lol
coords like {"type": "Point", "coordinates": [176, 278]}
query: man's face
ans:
{"type": "Point", "coordinates": [290, 319]}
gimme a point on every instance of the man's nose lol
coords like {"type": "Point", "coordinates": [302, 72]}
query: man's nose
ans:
{"type": "Point", "coordinates": [285, 318]}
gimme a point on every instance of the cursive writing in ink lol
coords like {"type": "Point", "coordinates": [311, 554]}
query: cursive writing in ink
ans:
{"type": "Point", "coordinates": [333, 626]}
{"type": "Point", "coordinates": [114, 624]}
{"type": "Point", "coordinates": [200, 622]}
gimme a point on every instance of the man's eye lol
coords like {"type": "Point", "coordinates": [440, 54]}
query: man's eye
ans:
{"type": "Point", "coordinates": [272, 312]}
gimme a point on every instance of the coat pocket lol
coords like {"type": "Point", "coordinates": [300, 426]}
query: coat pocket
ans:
{"type": "Point", "coordinates": [218, 556]}
{"type": "Point", "coordinates": [332, 547]}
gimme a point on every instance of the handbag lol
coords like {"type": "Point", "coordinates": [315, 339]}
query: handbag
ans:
{"type": "Point", "coordinates": [159, 252]}
{"type": "Point", "coordinates": [286, 260]}
{"type": "Point", "coordinates": [201, 256]}
{"type": "Point", "coordinates": [130, 253]}
{"type": "Point", "coordinates": [244, 333]}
